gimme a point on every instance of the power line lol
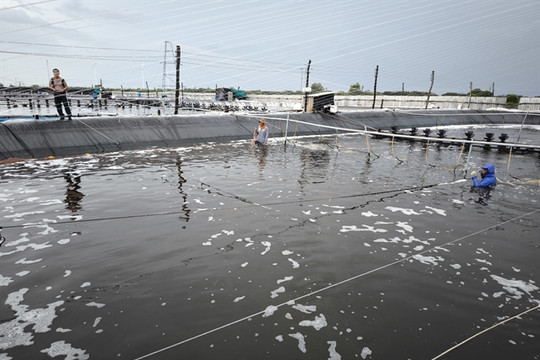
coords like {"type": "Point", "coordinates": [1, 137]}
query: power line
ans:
{"type": "Point", "coordinates": [86, 57]}
{"type": "Point", "coordinates": [26, 5]}
{"type": "Point", "coordinates": [76, 46]}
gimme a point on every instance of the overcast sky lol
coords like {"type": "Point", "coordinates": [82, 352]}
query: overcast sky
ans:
{"type": "Point", "coordinates": [266, 44]}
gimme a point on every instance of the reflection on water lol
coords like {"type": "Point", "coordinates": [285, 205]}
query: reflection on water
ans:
{"type": "Point", "coordinates": [340, 253]}
{"type": "Point", "coordinates": [73, 195]}
{"type": "Point", "coordinates": [314, 165]}
{"type": "Point", "coordinates": [261, 152]}
{"type": "Point", "coordinates": [181, 181]}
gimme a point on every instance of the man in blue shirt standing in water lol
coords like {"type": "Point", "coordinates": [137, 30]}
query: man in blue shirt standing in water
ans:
{"type": "Point", "coordinates": [487, 182]}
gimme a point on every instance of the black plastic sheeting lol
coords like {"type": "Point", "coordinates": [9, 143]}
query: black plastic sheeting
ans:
{"type": "Point", "coordinates": [44, 138]}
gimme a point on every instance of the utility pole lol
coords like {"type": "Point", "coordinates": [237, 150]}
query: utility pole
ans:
{"type": "Point", "coordinates": [375, 87]}
{"type": "Point", "coordinates": [177, 92]}
{"type": "Point", "coordinates": [493, 90]}
{"type": "Point", "coordinates": [470, 94]}
{"type": "Point", "coordinates": [430, 88]}
{"type": "Point", "coordinates": [307, 87]}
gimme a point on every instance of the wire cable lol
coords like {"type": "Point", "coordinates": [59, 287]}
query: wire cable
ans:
{"type": "Point", "coordinates": [331, 286]}
{"type": "Point", "coordinates": [102, 134]}
{"type": "Point", "coordinates": [486, 330]}
{"type": "Point", "coordinates": [394, 152]}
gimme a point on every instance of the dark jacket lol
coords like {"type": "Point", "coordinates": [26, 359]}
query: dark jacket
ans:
{"type": "Point", "coordinates": [488, 179]}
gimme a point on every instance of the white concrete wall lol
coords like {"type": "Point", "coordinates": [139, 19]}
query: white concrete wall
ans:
{"type": "Point", "coordinates": [529, 104]}
{"type": "Point", "coordinates": [290, 102]}
{"type": "Point", "coordinates": [419, 102]}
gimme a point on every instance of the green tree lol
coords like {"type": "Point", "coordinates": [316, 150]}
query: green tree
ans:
{"type": "Point", "coordinates": [479, 92]}
{"type": "Point", "coordinates": [512, 101]}
{"type": "Point", "coordinates": [317, 88]}
{"type": "Point", "coordinates": [355, 89]}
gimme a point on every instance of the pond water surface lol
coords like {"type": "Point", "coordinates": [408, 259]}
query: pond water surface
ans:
{"type": "Point", "coordinates": [320, 248]}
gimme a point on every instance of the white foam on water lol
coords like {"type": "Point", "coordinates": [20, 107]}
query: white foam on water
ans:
{"type": "Point", "coordinates": [70, 217]}
{"type": "Point", "coordinates": [318, 323]}
{"type": "Point", "coordinates": [275, 293]}
{"type": "Point", "coordinates": [24, 247]}
{"type": "Point", "coordinates": [268, 245]}
{"type": "Point", "coordinates": [61, 348]}
{"type": "Point", "coordinates": [306, 309]}
{"type": "Point", "coordinates": [50, 202]}
{"type": "Point", "coordinates": [96, 321]}
{"type": "Point", "coordinates": [301, 341]}
{"type": "Point", "coordinates": [5, 281]}
{"type": "Point", "coordinates": [404, 211]}
{"type": "Point", "coordinates": [405, 226]}
{"type": "Point", "coordinates": [270, 310]}
{"type": "Point", "coordinates": [17, 242]}
{"type": "Point", "coordinates": [26, 262]}
{"type": "Point", "coordinates": [95, 304]}
{"type": "Point", "coordinates": [240, 298]}
{"type": "Point", "coordinates": [428, 260]}
{"type": "Point", "coordinates": [295, 264]}
{"type": "Point", "coordinates": [366, 352]}
{"type": "Point", "coordinates": [86, 284]}
{"type": "Point", "coordinates": [46, 229]}
{"type": "Point", "coordinates": [438, 211]}
{"type": "Point", "coordinates": [286, 278]}
{"type": "Point", "coordinates": [368, 214]}
{"type": "Point", "coordinates": [20, 216]}
{"type": "Point", "coordinates": [514, 286]}
{"type": "Point", "coordinates": [348, 228]}
{"type": "Point", "coordinates": [484, 261]}
{"type": "Point", "coordinates": [332, 352]}
{"type": "Point", "coordinates": [13, 332]}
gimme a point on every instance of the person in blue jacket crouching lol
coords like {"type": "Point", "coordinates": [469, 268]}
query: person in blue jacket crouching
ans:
{"type": "Point", "coordinates": [485, 184]}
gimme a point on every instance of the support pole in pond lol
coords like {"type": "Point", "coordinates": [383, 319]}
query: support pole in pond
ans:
{"type": "Point", "coordinates": [375, 87]}
{"type": "Point", "coordinates": [286, 129]}
{"type": "Point", "coordinates": [430, 88]}
{"type": "Point", "coordinates": [177, 92]}
{"type": "Point", "coordinates": [307, 90]}
{"type": "Point", "coordinates": [468, 158]}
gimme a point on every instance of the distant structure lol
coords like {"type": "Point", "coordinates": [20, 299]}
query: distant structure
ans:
{"type": "Point", "coordinates": [226, 94]}
{"type": "Point", "coordinates": [321, 102]}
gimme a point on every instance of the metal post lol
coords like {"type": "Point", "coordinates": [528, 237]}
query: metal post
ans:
{"type": "Point", "coordinates": [286, 129]}
{"type": "Point", "coordinates": [470, 94]}
{"type": "Point", "coordinates": [307, 86]}
{"type": "Point", "coordinates": [468, 157]}
{"type": "Point", "coordinates": [375, 87]}
{"type": "Point", "coordinates": [177, 92]}
{"type": "Point", "coordinates": [430, 88]}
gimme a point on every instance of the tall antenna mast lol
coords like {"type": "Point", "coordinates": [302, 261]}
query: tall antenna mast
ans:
{"type": "Point", "coordinates": [165, 74]}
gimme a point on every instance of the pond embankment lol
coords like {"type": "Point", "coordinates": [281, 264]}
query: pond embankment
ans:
{"type": "Point", "coordinates": [44, 138]}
